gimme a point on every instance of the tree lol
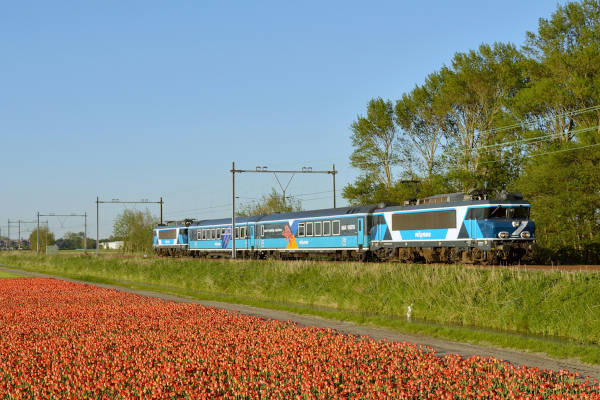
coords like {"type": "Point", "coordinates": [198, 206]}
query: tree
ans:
{"type": "Point", "coordinates": [72, 241]}
{"type": "Point", "coordinates": [422, 122]}
{"type": "Point", "coordinates": [564, 70]}
{"type": "Point", "coordinates": [33, 237]}
{"type": "Point", "coordinates": [269, 204]}
{"type": "Point", "coordinates": [376, 142]}
{"type": "Point", "coordinates": [376, 151]}
{"type": "Point", "coordinates": [477, 91]}
{"type": "Point", "coordinates": [564, 189]}
{"type": "Point", "coordinates": [135, 229]}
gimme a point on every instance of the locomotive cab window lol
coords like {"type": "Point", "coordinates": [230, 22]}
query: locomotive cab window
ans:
{"type": "Point", "coordinates": [301, 230]}
{"type": "Point", "coordinates": [309, 229]}
{"type": "Point", "coordinates": [317, 228]}
{"type": "Point", "coordinates": [326, 228]}
{"type": "Point", "coordinates": [335, 227]}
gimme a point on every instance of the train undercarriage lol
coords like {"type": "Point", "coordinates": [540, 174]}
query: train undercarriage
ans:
{"type": "Point", "coordinates": [482, 253]}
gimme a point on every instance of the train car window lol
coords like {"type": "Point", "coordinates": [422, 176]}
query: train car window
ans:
{"type": "Point", "coordinates": [198, 234]}
{"type": "Point", "coordinates": [424, 220]}
{"type": "Point", "coordinates": [335, 225]}
{"type": "Point", "coordinates": [243, 232]}
{"type": "Point", "coordinates": [301, 230]}
{"type": "Point", "coordinates": [317, 228]}
{"type": "Point", "coordinates": [218, 233]}
{"type": "Point", "coordinates": [309, 229]}
{"type": "Point", "coordinates": [326, 228]}
{"type": "Point", "coordinates": [262, 231]}
{"type": "Point", "coordinates": [167, 234]}
{"type": "Point", "coordinates": [237, 233]}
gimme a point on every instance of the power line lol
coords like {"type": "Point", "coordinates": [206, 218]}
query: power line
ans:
{"type": "Point", "coordinates": [542, 154]}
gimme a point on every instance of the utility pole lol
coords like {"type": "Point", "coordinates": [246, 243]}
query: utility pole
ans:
{"type": "Point", "coordinates": [19, 242]}
{"type": "Point", "coordinates": [233, 252]}
{"type": "Point", "coordinates": [8, 239]}
{"type": "Point", "coordinates": [85, 232]}
{"type": "Point", "coordinates": [333, 172]}
{"type": "Point", "coordinates": [97, 227]}
{"type": "Point", "coordinates": [37, 244]}
{"type": "Point", "coordinates": [161, 210]}
{"type": "Point", "coordinates": [263, 170]}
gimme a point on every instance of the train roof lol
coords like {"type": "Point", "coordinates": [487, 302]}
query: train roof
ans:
{"type": "Point", "coordinates": [289, 215]}
{"type": "Point", "coordinates": [453, 204]}
{"type": "Point", "coordinates": [319, 213]}
{"type": "Point", "coordinates": [225, 221]}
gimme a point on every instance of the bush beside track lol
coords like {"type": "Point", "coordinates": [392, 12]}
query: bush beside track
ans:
{"type": "Point", "coordinates": [555, 312]}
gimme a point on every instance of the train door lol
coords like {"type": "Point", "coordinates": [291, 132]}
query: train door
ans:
{"type": "Point", "coordinates": [360, 232]}
{"type": "Point", "coordinates": [251, 240]}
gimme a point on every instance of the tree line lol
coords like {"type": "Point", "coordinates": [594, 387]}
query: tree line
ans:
{"type": "Point", "coordinates": [500, 117]}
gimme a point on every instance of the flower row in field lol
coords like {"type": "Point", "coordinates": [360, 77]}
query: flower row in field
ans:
{"type": "Point", "coordinates": [68, 340]}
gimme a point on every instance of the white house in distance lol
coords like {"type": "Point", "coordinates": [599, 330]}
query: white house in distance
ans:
{"type": "Point", "coordinates": [116, 245]}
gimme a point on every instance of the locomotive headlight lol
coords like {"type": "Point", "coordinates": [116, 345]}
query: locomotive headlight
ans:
{"type": "Point", "coordinates": [525, 235]}
{"type": "Point", "coordinates": [503, 235]}
{"type": "Point", "coordinates": [515, 224]}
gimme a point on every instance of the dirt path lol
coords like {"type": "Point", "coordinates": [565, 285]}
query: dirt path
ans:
{"type": "Point", "coordinates": [441, 346]}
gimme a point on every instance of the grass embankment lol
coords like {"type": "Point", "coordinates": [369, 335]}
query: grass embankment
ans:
{"type": "Point", "coordinates": [7, 275]}
{"type": "Point", "coordinates": [554, 312]}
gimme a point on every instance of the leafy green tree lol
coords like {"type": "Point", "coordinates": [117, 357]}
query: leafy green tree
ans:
{"type": "Point", "coordinates": [376, 142]}
{"type": "Point", "coordinates": [564, 69]}
{"type": "Point", "coordinates": [135, 229]}
{"type": "Point", "coordinates": [563, 185]}
{"type": "Point", "coordinates": [477, 91]}
{"type": "Point", "coordinates": [376, 151]}
{"type": "Point", "coordinates": [422, 120]}
{"type": "Point", "coordinates": [270, 204]}
{"type": "Point", "coordinates": [33, 237]}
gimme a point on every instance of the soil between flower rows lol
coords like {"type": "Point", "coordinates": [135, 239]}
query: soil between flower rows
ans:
{"type": "Point", "coordinates": [69, 340]}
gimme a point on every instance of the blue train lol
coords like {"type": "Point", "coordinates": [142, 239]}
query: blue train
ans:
{"type": "Point", "coordinates": [457, 227]}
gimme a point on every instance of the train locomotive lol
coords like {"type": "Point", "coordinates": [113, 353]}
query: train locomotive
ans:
{"type": "Point", "coordinates": [448, 228]}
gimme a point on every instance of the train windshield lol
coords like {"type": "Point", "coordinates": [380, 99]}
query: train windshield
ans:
{"type": "Point", "coordinates": [506, 212]}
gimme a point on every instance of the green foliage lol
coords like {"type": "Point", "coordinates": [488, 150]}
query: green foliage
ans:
{"type": "Point", "coordinates": [376, 142]}
{"type": "Point", "coordinates": [564, 188]}
{"type": "Point", "coordinates": [270, 204]}
{"type": "Point", "coordinates": [135, 229]}
{"type": "Point", "coordinates": [487, 120]}
{"type": "Point", "coordinates": [44, 233]}
{"type": "Point", "coordinates": [73, 241]}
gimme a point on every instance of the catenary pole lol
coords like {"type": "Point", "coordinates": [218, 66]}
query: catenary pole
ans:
{"type": "Point", "coordinates": [233, 253]}
{"type": "Point", "coordinates": [37, 240]}
{"type": "Point", "coordinates": [97, 225]}
{"type": "Point", "coordinates": [85, 232]}
{"type": "Point", "coordinates": [333, 172]}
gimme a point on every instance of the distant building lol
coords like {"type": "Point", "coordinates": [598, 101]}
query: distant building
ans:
{"type": "Point", "coordinates": [116, 245]}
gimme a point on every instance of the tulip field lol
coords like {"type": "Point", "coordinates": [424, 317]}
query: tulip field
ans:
{"type": "Point", "coordinates": [68, 340]}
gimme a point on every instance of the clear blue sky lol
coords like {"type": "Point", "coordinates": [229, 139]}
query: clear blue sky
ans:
{"type": "Point", "coordinates": [143, 99]}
